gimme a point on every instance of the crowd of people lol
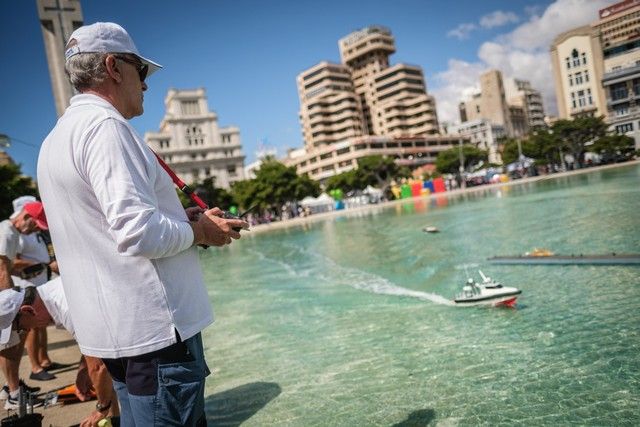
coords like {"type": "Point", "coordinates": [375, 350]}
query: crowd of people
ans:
{"type": "Point", "coordinates": [120, 270]}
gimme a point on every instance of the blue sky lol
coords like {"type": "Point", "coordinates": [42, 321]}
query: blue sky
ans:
{"type": "Point", "coordinates": [247, 54]}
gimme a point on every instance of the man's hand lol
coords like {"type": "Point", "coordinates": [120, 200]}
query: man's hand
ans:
{"type": "Point", "coordinates": [84, 386]}
{"type": "Point", "coordinates": [193, 213]}
{"type": "Point", "coordinates": [93, 419]}
{"type": "Point", "coordinates": [212, 229]}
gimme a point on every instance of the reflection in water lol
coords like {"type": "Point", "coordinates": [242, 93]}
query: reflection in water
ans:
{"type": "Point", "coordinates": [418, 418]}
{"type": "Point", "coordinates": [235, 406]}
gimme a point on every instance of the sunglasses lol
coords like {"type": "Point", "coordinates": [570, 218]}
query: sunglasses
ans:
{"type": "Point", "coordinates": [142, 69]}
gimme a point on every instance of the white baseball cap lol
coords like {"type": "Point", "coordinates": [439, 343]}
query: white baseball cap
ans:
{"type": "Point", "coordinates": [105, 37]}
{"type": "Point", "coordinates": [10, 302]}
{"type": "Point", "coordinates": [18, 204]}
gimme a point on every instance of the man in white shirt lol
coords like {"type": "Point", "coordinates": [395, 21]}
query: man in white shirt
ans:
{"type": "Point", "coordinates": [125, 246]}
{"type": "Point", "coordinates": [34, 262]}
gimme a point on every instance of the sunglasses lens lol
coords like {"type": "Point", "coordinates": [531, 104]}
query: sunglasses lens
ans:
{"type": "Point", "coordinates": [143, 72]}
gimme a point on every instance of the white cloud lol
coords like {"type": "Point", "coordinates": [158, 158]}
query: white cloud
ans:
{"type": "Point", "coordinates": [462, 31]}
{"type": "Point", "coordinates": [522, 53]}
{"type": "Point", "coordinates": [498, 19]}
{"type": "Point", "coordinates": [490, 20]}
{"type": "Point", "coordinates": [458, 82]}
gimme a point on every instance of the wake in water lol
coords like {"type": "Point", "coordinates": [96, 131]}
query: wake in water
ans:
{"type": "Point", "coordinates": [325, 269]}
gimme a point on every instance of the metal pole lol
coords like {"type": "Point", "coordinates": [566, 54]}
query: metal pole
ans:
{"type": "Point", "coordinates": [463, 183]}
{"type": "Point", "coordinates": [519, 149]}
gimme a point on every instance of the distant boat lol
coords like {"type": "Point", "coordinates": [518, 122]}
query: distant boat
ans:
{"type": "Point", "coordinates": [431, 229]}
{"type": "Point", "coordinates": [539, 252]}
{"type": "Point", "coordinates": [489, 292]}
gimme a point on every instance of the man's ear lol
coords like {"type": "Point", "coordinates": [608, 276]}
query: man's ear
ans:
{"type": "Point", "coordinates": [113, 70]}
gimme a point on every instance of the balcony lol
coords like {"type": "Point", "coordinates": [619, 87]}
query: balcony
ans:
{"type": "Point", "coordinates": [622, 75]}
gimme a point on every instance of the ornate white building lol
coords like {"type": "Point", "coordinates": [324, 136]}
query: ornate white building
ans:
{"type": "Point", "coordinates": [193, 145]}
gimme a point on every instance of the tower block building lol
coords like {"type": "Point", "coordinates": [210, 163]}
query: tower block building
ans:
{"type": "Point", "coordinates": [364, 95]}
{"type": "Point", "coordinates": [364, 106]}
{"type": "Point", "coordinates": [58, 20]}
{"type": "Point", "coordinates": [394, 99]}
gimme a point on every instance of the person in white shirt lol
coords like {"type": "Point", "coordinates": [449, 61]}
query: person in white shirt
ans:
{"type": "Point", "coordinates": [126, 248]}
{"type": "Point", "coordinates": [24, 307]}
{"type": "Point", "coordinates": [34, 263]}
{"type": "Point", "coordinates": [28, 220]}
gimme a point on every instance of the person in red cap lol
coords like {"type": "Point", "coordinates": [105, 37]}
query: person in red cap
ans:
{"type": "Point", "coordinates": [28, 220]}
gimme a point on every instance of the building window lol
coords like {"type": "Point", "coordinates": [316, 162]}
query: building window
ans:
{"type": "Point", "coordinates": [570, 79]}
{"type": "Point", "coordinates": [586, 76]}
{"type": "Point", "coordinates": [164, 143]}
{"type": "Point", "coordinates": [579, 77]}
{"type": "Point", "coordinates": [190, 107]}
{"type": "Point", "coordinates": [576, 58]}
{"type": "Point", "coordinates": [621, 111]}
{"type": "Point", "coordinates": [194, 136]}
{"type": "Point", "coordinates": [231, 170]}
{"type": "Point", "coordinates": [619, 91]}
{"type": "Point", "coordinates": [627, 127]}
{"type": "Point", "coordinates": [568, 63]}
{"type": "Point", "coordinates": [584, 58]}
{"type": "Point", "coordinates": [477, 108]}
{"type": "Point", "coordinates": [589, 99]}
{"type": "Point", "coordinates": [573, 99]}
{"type": "Point", "coordinates": [581, 99]}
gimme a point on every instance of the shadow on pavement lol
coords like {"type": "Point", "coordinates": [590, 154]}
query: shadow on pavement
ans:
{"type": "Point", "coordinates": [234, 406]}
{"type": "Point", "coordinates": [418, 418]}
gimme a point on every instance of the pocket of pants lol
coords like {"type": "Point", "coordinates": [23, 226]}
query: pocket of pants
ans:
{"type": "Point", "coordinates": [180, 393]}
{"type": "Point", "coordinates": [170, 374]}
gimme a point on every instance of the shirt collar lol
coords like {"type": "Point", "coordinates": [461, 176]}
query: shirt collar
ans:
{"type": "Point", "coordinates": [91, 99]}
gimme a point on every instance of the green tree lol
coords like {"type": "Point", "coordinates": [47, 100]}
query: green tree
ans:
{"type": "Point", "coordinates": [274, 185]}
{"type": "Point", "coordinates": [212, 195]}
{"type": "Point", "coordinates": [614, 147]}
{"type": "Point", "coordinates": [575, 134]}
{"type": "Point", "coordinates": [13, 185]}
{"type": "Point", "coordinates": [448, 161]}
{"type": "Point", "coordinates": [244, 193]}
{"type": "Point", "coordinates": [346, 181]}
{"type": "Point", "coordinates": [379, 171]}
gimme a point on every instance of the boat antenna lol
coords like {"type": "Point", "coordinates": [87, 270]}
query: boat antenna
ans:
{"type": "Point", "coordinates": [484, 278]}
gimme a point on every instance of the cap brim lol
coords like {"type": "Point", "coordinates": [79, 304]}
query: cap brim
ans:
{"type": "Point", "coordinates": [42, 225]}
{"type": "Point", "coordinates": [153, 66]}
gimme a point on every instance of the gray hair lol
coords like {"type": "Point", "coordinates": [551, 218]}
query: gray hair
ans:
{"type": "Point", "coordinates": [86, 70]}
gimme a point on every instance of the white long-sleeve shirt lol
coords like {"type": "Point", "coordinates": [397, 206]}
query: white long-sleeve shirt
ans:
{"type": "Point", "coordinates": [123, 241]}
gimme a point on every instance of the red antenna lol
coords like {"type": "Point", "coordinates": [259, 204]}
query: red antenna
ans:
{"type": "Point", "coordinates": [180, 184]}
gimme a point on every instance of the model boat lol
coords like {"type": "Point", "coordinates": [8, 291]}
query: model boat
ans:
{"type": "Point", "coordinates": [430, 229]}
{"type": "Point", "coordinates": [489, 292]}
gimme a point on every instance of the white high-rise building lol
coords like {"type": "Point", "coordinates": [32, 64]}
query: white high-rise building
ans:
{"type": "Point", "coordinates": [193, 145]}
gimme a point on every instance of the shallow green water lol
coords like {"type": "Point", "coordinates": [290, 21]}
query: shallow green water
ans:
{"type": "Point", "coordinates": [347, 322]}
